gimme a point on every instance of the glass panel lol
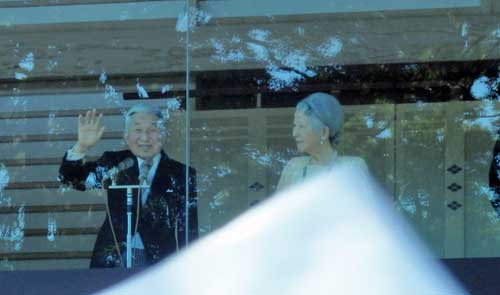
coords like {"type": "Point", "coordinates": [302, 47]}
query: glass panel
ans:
{"type": "Point", "coordinates": [59, 60]}
{"type": "Point", "coordinates": [417, 82]}
{"type": "Point", "coordinates": [420, 150]}
{"type": "Point", "coordinates": [403, 73]}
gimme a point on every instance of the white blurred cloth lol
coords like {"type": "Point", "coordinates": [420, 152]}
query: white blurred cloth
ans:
{"type": "Point", "coordinates": [334, 234]}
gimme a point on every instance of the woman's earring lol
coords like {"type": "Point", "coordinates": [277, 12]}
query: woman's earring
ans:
{"type": "Point", "coordinates": [322, 140]}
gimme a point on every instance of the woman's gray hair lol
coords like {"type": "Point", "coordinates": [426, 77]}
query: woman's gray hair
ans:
{"type": "Point", "coordinates": [144, 108]}
{"type": "Point", "coordinates": [324, 110]}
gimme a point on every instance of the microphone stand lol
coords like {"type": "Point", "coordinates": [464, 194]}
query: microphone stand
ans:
{"type": "Point", "coordinates": [129, 215]}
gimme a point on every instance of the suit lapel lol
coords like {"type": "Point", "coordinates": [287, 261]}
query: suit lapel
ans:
{"type": "Point", "coordinates": [162, 179]}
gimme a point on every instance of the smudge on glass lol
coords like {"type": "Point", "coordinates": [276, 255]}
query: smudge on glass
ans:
{"type": "Point", "coordinates": [103, 77]}
{"type": "Point", "coordinates": [330, 48]}
{"type": "Point", "coordinates": [165, 88]}
{"type": "Point", "coordinates": [51, 229]}
{"type": "Point", "coordinates": [28, 62]}
{"type": "Point", "coordinates": [141, 91]}
{"type": "Point", "coordinates": [20, 76]}
{"type": "Point", "coordinates": [196, 17]}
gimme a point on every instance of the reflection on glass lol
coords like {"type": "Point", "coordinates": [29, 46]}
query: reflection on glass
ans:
{"type": "Point", "coordinates": [54, 70]}
{"type": "Point", "coordinates": [406, 88]}
{"type": "Point", "coordinates": [418, 83]}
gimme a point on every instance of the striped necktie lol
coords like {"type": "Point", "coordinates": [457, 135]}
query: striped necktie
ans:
{"type": "Point", "coordinates": [143, 179]}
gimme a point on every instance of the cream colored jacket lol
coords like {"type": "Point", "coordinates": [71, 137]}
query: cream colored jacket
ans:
{"type": "Point", "coordinates": [299, 169]}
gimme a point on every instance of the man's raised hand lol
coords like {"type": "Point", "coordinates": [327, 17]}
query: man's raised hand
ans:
{"type": "Point", "coordinates": [89, 131]}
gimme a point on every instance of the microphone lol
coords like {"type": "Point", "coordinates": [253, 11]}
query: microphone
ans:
{"type": "Point", "coordinates": [125, 164]}
{"type": "Point", "coordinates": [114, 171]}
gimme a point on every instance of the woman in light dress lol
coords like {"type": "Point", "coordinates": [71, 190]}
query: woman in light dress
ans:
{"type": "Point", "coordinates": [316, 128]}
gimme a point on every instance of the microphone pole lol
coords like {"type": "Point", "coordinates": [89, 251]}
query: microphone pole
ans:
{"type": "Point", "coordinates": [129, 227]}
{"type": "Point", "coordinates": [129, 203]}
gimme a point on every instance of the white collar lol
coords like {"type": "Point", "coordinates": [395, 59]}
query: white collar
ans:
{"type": "Point", "coordinates": [156, 160]}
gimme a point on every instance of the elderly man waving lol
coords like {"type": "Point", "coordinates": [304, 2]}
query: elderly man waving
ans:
{"type": "Point", "coordinates": [158, 213]}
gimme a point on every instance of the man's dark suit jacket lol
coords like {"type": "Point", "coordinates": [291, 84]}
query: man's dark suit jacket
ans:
{"type": "Point", "coordinates": [161, 219]}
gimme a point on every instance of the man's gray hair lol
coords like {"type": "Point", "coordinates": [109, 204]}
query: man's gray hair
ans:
{"type": "Point", "coordinates": [144, 108]}
{"type": "Point", "coordinates": [323, 110]}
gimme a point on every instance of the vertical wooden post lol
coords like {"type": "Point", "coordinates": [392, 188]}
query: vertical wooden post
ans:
{"type": "Point", "coordinates": [454, 199]}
